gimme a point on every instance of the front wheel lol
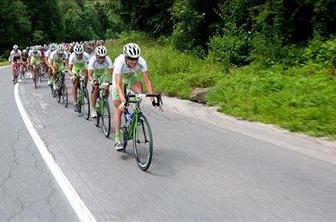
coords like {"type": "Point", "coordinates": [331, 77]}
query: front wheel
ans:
{"type": "Point", "coordinates": [64, 93]}
{"type": "Point", "coordinates": [106, 118]}
{"type": "Point", "coordinates": [143, 143]}
{"type": "Point", "coordinates": [86, 104]}
{"type": "Point", "coordinates": [35, 77]}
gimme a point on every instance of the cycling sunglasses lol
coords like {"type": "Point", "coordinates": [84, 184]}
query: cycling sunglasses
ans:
{"type": "Point", "coordinates": [132, 59]}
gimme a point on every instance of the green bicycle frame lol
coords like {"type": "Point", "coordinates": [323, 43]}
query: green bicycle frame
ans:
{"type": "Point", "coordinates": [81, 91]}
{"type": "Point", "coordinates": [101, 107]}
{"type": "Point", "coordinates": [134, 123]}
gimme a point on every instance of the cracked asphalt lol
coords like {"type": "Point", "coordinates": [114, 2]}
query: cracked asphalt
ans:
{"type": "Point", "coordinates": [28, 192]}
{"type": "Point", "coordinates": [200, 171]}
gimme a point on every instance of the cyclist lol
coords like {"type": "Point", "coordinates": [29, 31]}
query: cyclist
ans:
{"type": "Point", "coordinates": [89, 50]}
{"type": "Point", "coordinates": [100, 70]}
{"type": "Point", "coordinates": [59, 61]}
{"type": "Point", "coordinates": [35, 61]}
{"type": "Point", "coordinates": [52, 48]}
{"type": "Point", "coordinates": [43, 59]}
{"type": "Point", "coordinates": [14, 59]}
{"type": "Point", "coordinates": [24, 61]}
{"type": "Point", "coordinates": [126, 71]}
{"type": "Point", "coordinates": [77, 65]}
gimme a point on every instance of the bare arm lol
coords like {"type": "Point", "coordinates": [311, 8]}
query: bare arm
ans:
{"type": "Point", "coordinates": [118, 81]}
{"type": "Point", "coordinates": [90, 73]}
{"type": "Point", "coordinates": [148, 82]}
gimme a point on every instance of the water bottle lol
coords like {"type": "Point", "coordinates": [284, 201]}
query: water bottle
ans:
{"type": "Point", "coordinates": [129, 116]}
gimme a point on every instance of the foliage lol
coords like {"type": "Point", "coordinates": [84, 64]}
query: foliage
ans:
{"type": "Point", "coordinates": [14, 24]}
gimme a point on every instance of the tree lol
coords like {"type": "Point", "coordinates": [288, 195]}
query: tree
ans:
{"type": "Point", "coordinates": [15, 24]}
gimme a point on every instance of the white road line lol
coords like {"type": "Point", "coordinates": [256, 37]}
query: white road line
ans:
{"type": "Point", "coordinates": [76, 202]}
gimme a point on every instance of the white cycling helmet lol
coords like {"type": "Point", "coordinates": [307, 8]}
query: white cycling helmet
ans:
{"type": "Point", "coordinates": [60, 49]}
{"type": "Point", "coordinates": [101, 51]}
{"type": "Point", "coordinates": [15, 47]}
{"type": "Point", "coordinates": [132, 50]}
{"type": "Point", "coordinates": [78, 49]}
{"type": "Point", "coordinates": [35, 50]}
{"type": "Point", "coordinates": [53, 47]}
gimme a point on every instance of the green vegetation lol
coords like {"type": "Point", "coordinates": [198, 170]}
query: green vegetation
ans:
{"type": "Point", "coordinates": [4, 63]}
{"type": "Point", "coordinates": [270, 61]}
{"type": "Point", "coordinates": [298, 94]}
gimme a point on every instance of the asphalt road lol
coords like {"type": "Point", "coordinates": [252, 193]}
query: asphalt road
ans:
{"type": "Point", "coordinates": [200, 170]}
{"type": "Point", "coordinates": [28, 192]}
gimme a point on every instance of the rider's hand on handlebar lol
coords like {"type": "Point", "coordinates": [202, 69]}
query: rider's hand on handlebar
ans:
{"type": "Point", "coordinates": [93, 81]}
{"type": "Point", "coordinates": [73, 77]}
{"type": "Point", "coordinates": [122, 106]}
{"type": "Point", "coordinates": [157, 105]}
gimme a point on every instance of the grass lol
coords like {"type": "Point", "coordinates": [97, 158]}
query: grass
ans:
{"type": "Point", "coordinates": [301, 98]}
{"type": "Point", "coordinates": [4, 63]}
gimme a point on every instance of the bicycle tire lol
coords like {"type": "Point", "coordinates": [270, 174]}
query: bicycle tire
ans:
{"type": "Point", "coordinates": [143, 163]}
{"type": "Point", "coordinates": [97, 119]}
{"type": "Point", "coordinates": [59, 94]}
{"type": "Point", "coordinates": [64, 92]}
{"type": "Point", "coordinates": [86, 104]}
{"type": "Point", "coordinates": [106, 123]}
{"type": "Point", "coordinates": [35, 81]}
{"type": "Point", "coordinates": [79, 99]}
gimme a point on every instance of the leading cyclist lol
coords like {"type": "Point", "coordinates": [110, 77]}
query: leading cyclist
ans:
{"type": "Point", "coordinates": [126, 72]}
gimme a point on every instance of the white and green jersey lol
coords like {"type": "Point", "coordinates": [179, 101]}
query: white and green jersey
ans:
{"type": "Point", "coordinates": [35, 59]}
{"type": "Point", "coordinates": [121, 67]}
{"type": "Point", "coordinates": [48, 52]}
{"type": "Point", "coordinates": [129, 74]}
{"type": "Point", "coordinates": [95, 65]}
{"type": "Point", "coordinates": [100, 70]}
{"type": "Point", "coordinates": [73, 59]}
{"type": "Point", "coordinates": [58, 57]}
{"type": "Point", "coordinates": [78, 65]}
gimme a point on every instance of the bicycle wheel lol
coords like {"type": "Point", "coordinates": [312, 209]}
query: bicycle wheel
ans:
{"type": "Point", "coordinates": [64, 93]}
{"type": "Point", "coordinates": [86, 104]}
{"type": "Point", "coordinates": [79, 99]}
{"type": "Point", "coordinates": [143, 143]}
{"type": "Point", "coordinates": [58, 92]}
{"type": "Point", "coordinates": [35, 79]}
{"type": "Point", "coordinates": [98, 113]}
{"type": "Point", "coordinates": [106, 118]}
{"type": "Point", "coordinates": [15, 80]}
{"type": "Point", "coordinates": [52, 91]}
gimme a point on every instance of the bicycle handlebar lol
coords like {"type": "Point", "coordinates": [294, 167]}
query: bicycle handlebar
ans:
{"type": "Point", "coordinates": [156, 102]}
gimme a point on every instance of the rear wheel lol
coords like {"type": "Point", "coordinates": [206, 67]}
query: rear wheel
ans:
{"type": "Point", "coordinates": [106, 118]}
{"type": "Point", "coordinates": [143, 143]}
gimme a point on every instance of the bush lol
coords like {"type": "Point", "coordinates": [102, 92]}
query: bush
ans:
{"type": "Point", "coordinates": [321, 51]}
{"type": "Point", "coordinates": [230, 49]}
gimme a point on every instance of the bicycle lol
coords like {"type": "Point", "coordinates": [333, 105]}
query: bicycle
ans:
{"type": "Point", "coordinates": [23, 70]}
{"type": "Point", "coordinates": [60, 91]}
{"type": "Point", "coordinates": [16, 71]}
{"type": "Point", "coordinates": [83, 96]}
{"type": "Point", "coordinates": [136, 124]}
{"type": "Point", "coordinates": [36, 74]}
{"type": "Point", "coordinates": [103, 110]}
{"type": "Point", "coordinates": [42, 73]}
